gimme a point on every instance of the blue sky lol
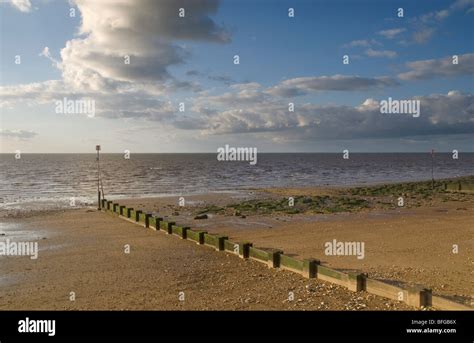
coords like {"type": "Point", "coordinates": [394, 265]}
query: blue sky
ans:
{"type": "Point", "coordinates": [282, 60]}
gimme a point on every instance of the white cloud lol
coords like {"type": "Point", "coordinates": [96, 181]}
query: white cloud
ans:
{"type": "Point", "coordinates": [92, 64]}
{"type": "Point", "coordinates": [21, 5]}
{"type": "Point", "coordinates": [444, 13]}
{"type": "Point", "coordinates": [134, 102]}
{"type": "Point", "coordinates": [451, 113]}
{"type": "Point", "coordinates": [304, 85]}
{"type": "Point", "coordinates": [423, 35]}
{"type": "Point", "coordinates": [17, 134]}
{"type": "Point", "coordinates": [391, 33]}
{"type": "Point", "coordinates": [427, 21]}
{"type": "Point", "coordinates": [380, 53]}
{"type": "Point", "coordinates": [443, 67]}
{"type": "Point", "coordinates": [365, 43]}
{"type": "Point", "coordinates": [47, 54]}
{"type": "Point", "coordinates": [147, 31]}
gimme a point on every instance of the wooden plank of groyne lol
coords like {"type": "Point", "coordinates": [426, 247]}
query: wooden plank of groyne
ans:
{"type": "Point", "coordinates": [215, 241]}
{"type": "Point", "coordinates": [180, 231]}
{"type": "Point", "coordinates": [167, 226]}
{"type": "Point", "coordinates": [196, 236]}
{"type": "Point", "coordinates": [142, 218]}
{"type": "Point", "coordinates": [459, 187]}
{"type": "Point", "coordinates": [231, 247]}
{"type": "Point", "coordinates": [452, 186]}
{"type": "Point", "coordinates": [258, 255]}
{"type": "Point", "coordinates": [123, 212]}
{"type": "Point", "coordinates": [332, 275]}
{"type": "Point", "coordinates": [242, 248]}
{"type": "Point", "coordinates": [152, 222]}
{"type": "Point", "coordinates": [385, 290]}
{"type": "Point", "coordinates": [418, 296]}
{"type": "Point", "coordinates": [467, 187]}
{"type": "Point", "coordinates": [291, 264]}
{"type": "Point", "coordinates": [353, 281]}
{"type": "Point", "coordinates": [446, 304]}
{"type": "Point", "coordinates": [356, 281]}
{"type": "Point", "coordinates": [210, 240]}
{"type": "Point", "coordinates": [307, 267]}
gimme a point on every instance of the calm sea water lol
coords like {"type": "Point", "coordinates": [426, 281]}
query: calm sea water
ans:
{"type": "Point", "coordinates": [56, 178]}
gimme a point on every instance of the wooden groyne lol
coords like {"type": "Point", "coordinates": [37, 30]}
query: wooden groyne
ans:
{"type": "Point", "coordinates": [418, 296]}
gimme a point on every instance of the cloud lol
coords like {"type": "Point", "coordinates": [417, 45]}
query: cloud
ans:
{"type": "Point", "coordinates": [427, 21]}
{"type": "Point", "coordinates": [435, 16]}
{"type": "Point", "coordinates": [423, 35]}
{"type": "Point", "coordinates": [365, 43]}
{"type": "Point", "coordinates": [148, 103]}
{"type": "Point", "coordinates": [240, 94]}
{"type": "Point", "coordinates": [445, 114]}
{"type": "Point", "coordinates": [193, 73]}
{"type": "Point", "coordinates": [391, 33]}
{"type": "Point", "coordinates": [21, 5]}
{"type": "Point", "coordinates": [218, 78]}
{"type": "Point", "coordinates": [380, 53]}
{"type": "Point", "coordinates": [444, 13]}
{"type": "Point", "coordinates": [221, 78]}
{"type": "Point", "coordinates": [252, 108]}
{"type": "Point", "coordinates": [444, 67]}
{"type": "Point", "coordinates": [145, 33]}
{"type": "Point", "coordinates": [17, 134]}
{"type": "Point", "coordinates": [305, 85]}
{"type": "Point", "coordinates": [47, 54]}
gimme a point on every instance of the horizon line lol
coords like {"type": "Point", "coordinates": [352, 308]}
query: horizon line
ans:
{"type": "Point", "coordinates": [262, 152]}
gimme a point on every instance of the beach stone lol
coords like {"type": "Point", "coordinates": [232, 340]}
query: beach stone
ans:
{"type": "Point", "coordinates": [201, 216]}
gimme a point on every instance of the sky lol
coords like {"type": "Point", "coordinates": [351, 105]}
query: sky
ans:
{"type": "Point", "coordinates": [161, 82]}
